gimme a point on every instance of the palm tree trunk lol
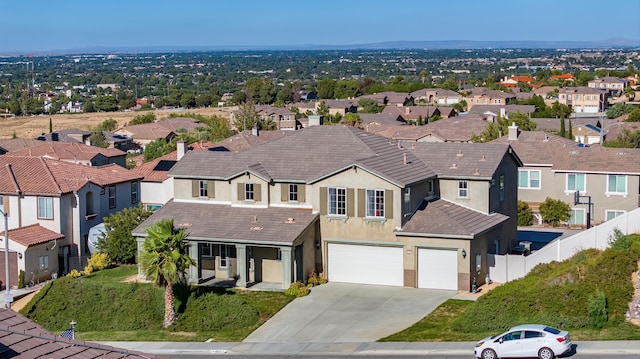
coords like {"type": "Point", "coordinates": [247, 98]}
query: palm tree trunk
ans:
{"type": "Point", "coordinates": [169, 311]}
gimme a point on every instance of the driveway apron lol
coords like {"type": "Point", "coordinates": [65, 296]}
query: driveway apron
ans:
{"type": "Point", "coordinates": [344, 312]}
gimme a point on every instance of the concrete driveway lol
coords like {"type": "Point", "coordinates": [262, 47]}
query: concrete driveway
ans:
{"type": "Point", "coordinates": [341, 312]}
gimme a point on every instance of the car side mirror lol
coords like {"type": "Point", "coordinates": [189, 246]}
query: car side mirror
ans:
{"type": "Point", "coordinates": [501, 340]}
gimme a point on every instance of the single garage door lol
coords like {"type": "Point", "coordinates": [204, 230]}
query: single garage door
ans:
{"type": "Point", "coordinates": [437, 268]}
{"type": "Point", "coordinates": [365, 264]}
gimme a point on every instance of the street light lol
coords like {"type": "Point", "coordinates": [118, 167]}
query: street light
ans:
{"type": "Point", "coordinates": [7, 295]}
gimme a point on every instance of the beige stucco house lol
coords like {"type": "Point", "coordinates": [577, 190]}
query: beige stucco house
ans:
{"type": "Point", "coordinates": [351, 205]}
{"type": "Point", "coordinates": [583, 99]}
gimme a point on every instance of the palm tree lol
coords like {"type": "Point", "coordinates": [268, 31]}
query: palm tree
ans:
{"type": "Point", "coordinates": [165, 261]}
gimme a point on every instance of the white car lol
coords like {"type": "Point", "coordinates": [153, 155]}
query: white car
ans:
{"type": "Point", "coordinates": [525, 341]}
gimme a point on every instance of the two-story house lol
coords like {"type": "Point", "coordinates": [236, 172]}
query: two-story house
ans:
{"type": "Point", "coordinates": [482, 96]}
{"type": "Point", "coordinates": [436, 96]}
{"type": "Point", "coordinates": [558, 167]}
{"type": "Point", "coordinates": [357, 207]}
{"type": "Point", "coordinates": [614, 85]}
{"type": "Point", "coordinates": [64, 198]}
{"type": "Point", "coordinates": [583, 99]}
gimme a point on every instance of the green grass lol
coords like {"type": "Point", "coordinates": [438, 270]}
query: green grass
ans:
{"type": "Point", "coordinates": [106, 308]}
{"type": "Point", "coordinates": [556, 294]}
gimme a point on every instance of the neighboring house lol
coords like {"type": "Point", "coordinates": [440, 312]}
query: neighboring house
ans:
{"type": "Point", "coordinates": [492, 112]}
{"type": "Point", "coordinates": [564, 77]}
{"type": "Point", "coordinates": [22, 338]}
{"type": "Point", "coordinates": [436, 96]}
{"type": "Point", "coordinates": [390, 98]}
{"type": "Point", "coordinates": [615, 86]}
{"type": "Point", "coordinates": [75, 153]}
{"type": "Point", "coordinates": [16, 144]}
{"type": "Point", "coordinates": [417, 114]}
{"type": "Point", "coordinates": [587, 134]}
{"type": "Point", "coordinates": [341, 107]}
{"type": "Point", "coordinates": [357, 207]}
{"type": "Point", "coordinates": [307, 95]}
{"type": "Point", "coordinates": [34, 245]}
{"type": "Point", "coordinates": [488, 97]}
{"type": "Point", "coordinates": [73, 107]}
{"type": "Point", "coordinates": [65, 198]}
{"type": "Point", "coordinates": [284, 118]}
{"type": "Point", "coordinates": [453, 129]}
{"type": "Point", "coordinates": [72, 135]}
{"type": "Point", "coordinates": [164, 129]}
{"type": "Point", "coordinates": [584, 99]}
{"type": "Point", "coordinates": [557, 167]}
{"type": "Point", "coordinates": [513, 81]}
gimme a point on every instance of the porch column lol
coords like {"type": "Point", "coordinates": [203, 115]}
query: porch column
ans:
{"type": "Point", "coordinates": [286, 267]}
{"type": "Point", "coordinates": [140, 243]}
{"type": "Point", "coordinates": [193, 270]}
{"type": "Point", "coordinates": [241, 262]}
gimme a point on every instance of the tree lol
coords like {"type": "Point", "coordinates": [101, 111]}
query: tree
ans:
{"type": "Point", "coordinates": [326, 88]}
{"type": "Point", "coordinates": [246, 117]}
{"type": "Point", "coordinates": [117, 241]}
{"type": "Point", "coordinates": [347, 89]}
{"type": "Point", "coordinates": [157, 148]}
{"type": "Point", "coordinates": [98, 139]}
{"type": "Point", "coordinates": [423, 75]}
{"type": "Point", "coordinates": [164, 261]}
{"type": "Point", "coordinates": [148, 117]}
{"type": "Point", "coordinates": [525, 214]}
{"type": "Point", "coordinates": [323, 109]}
{"type": "Point", "coordinates": [563, 132]}
{"type": "Point", "coordinates": [353, 120]}
{"type": "Point", "coordinates": [501, 127]}
{"type": "Point", "coordinates": [554, 211]}
{"type": "Point", "coordinates": [369, 105]}
{"type": "Point", "coordinates": [619, 109]}
{"type": "Point", "coordinates": [107, 125]}
{"type": "Point", "coordinates": [634, 116]}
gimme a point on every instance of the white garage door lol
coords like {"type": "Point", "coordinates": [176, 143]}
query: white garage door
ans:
{"type": "Point", "coordinates": [437, 269]}
{"type": "Point", "coordinates": [365, 264]}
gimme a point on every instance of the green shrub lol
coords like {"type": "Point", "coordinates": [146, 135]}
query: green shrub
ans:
{"type": "Point", "coordinates": [525, 214]}
{"type": "Point", "coordinates": [214, 311]}
{"type": "Point", "coordinates": [315, 279]}
{"type": "Point", "coordinates": [21, 279]}
{"type": "Point", "coordinates": [554, 211]}
{"type": "Point", "coordinates": [598, 310]}
{"type": "Point", "coordinates": [74, 274]}
{"type": "Point", "coordinates": [617, 240]}
{"type": "Point", "coordinates": [297, 289]}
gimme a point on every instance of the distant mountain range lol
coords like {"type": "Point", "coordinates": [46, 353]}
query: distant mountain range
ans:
{"type": "Point", "coordinates": [435, 45]}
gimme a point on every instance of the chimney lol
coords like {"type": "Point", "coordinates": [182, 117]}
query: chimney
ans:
{"type": "Point", "coordinates": [407, 110]}
{"type": "Point", "coordinates": [255, 131]}
{"type": "Point", "coordinates": [503, 113]}
{"type": "Point", "coordinates": [182, 148]}
{"type": "Point", "coordinates": [513, 132]}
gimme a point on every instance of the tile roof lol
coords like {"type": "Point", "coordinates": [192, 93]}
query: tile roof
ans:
{"type": "Point", "coordinates": [308, 155]}
{"type": "Point", "coordinates": [582, 90]}
{"type": "Point", "coordinates": [444, 218]}
{"type": "Point", "coordinates": [208, 221]}
{"type": "Point", "coordinates": [452, 129]}
{"type": "Point", "coordinates": [508, 109]}
{"type": "Point", "coordinates": [156, 170]}
{"type": "Point", "coordinates": [67, 151]}
{"type": "Point", "coordinates": [15, 144]}
{"type": "Point", "coordinates": [42, 176]}
{"type": "Point", "coordinates": [33, 234]}
{"type": "Point", "coordinates": [160, 129]}
{"type": "Point", "coordinates": [562, 154]}
{"type": "Point", "coordinates": [22, 338]}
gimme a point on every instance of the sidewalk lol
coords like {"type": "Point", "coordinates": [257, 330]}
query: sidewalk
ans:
{"type": "Point", "coordinates": [414, 348]}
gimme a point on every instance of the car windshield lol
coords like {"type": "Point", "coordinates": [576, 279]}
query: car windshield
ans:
{"type": "Point", "coordinates": [552, 330]}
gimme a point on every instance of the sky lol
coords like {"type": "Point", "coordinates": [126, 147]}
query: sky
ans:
{"type": "Point", "coordinates": [38, 25]}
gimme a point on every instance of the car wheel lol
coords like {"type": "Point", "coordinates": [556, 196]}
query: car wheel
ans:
{"type": "Point", "coordinates": [489, 354]}
{"type": "Point", "coordinates": [546, 353]}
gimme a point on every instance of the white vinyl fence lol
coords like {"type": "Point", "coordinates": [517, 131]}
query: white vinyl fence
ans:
{"type": "Point", "coordinates": [508, 267]}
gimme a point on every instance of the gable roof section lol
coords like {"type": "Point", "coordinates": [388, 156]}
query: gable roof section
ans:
{"type": "Point", "coordinates": [34, 234]}
{"type": "Point", "coordinates": [21, 337]}
{"type": "Point", "coordinates": [16, 144]}
{"type": "Point", "coordinates": [67, 151]}
{"type": "Point", "coordinates": [441, 218]}
{"type": "Point", "coordinates": [309, 155]}
{"type": "Point", "coordinates": [207, 221]}
{"type": "Point", "coordinates": [462, 160]}
{"type": "Point", "coordinates": [41, 176]}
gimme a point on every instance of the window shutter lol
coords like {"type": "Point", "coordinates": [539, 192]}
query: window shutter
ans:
{"type": "Point", "coordinates": [323, 200]}
{"type": "Point", "coordinates": [240, 191]}
{"type": "Point", "coordinates": [350, 202]}
{"type": "Point", "coordinates": [211, 189]}
{"type": "Point", "coordinates": [301, 196]}
{"type": "Point", "coordinates": [257, 192]}
{"type": "Point", "coordinates": [361, 203]}
{"type": "Point", "coordinates": [195, 188]}
{"type": "Point", "coordinates": [388, 204]}
{"type": "Point", "coordinates": [284, 192]}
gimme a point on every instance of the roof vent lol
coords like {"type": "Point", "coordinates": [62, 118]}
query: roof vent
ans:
{"type": "Point", "coordinates": [290, 220]}
{"type": "Point", "coordinates": [459, 154]}
{"type": "Point", "coordinates": [620, 153]}
{"type": "Point", "coordinates": [546, 138]}
{"type": "Point", "coordinates": [255, 228]}
{"type": "Point", "coordinates": [453, 165]}
{"type": "Point", "coordinates": [399, 145]}
{"type": "Point", "coordinates": [483, 158]}
{"type": "Point", "coordinates": [255, 219]}
{"type": "Point", "coordinates": [476, 172]}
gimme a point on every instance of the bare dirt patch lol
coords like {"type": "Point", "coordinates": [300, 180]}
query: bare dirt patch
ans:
{"type": "Point", "coordinates": [22, 302]}
{"type": "Point", "coordinates": [135, 279]}
{"type": "Point", "coordinates": [33, 126]}
{"type": "Point", "coordinates": [184, 334]}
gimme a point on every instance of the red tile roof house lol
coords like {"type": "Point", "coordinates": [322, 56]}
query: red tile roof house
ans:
{"type": "Point", "coordinates": [64, 198]}
{"type": "Point", "coordinates": [33, 245]}
{"type": "Point", "coordinates": [22, 338]}
{"type": "Point", "coordinates": [75, 153]}
{"type": "Point", "coordinates": [357, 207]}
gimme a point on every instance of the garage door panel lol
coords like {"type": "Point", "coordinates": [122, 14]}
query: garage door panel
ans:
{"type": "Point", "coordinates": [438, 269]}
{"type": "Point", "coordinates": [365, 264]}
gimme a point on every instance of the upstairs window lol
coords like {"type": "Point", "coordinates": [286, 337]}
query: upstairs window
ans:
{"type": "Point", "coordinates": [463, 189]}
{"type": "Point", "coordinates": [337, 201]}
{"type": "Point", "coordinates": [112, 196]}
{"type": "Point", "coordinates": [134, 192]}
{"type": "Point", "coordinates": [293, 192]}
{"type": "Point", "coordinates": [576, 182]}
{"type": "Point", "coordinates": [617, 184]}
{"type": "Point", "coordinates": [375, 203]}
{"type": "Point", "coordinates": [45, 208]}
{"type": "Point", "coordinates": [501, 187]}
{"type": "Point", "coordinates": [248, 192]}
{"type": "Point", "coordinates": [203, 188]}
{"type": "Point", "coordinates": [529, 179]}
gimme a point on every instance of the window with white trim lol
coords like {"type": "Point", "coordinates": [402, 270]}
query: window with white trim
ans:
{"type": "Point", "coordinates": [206, 250]}
{"type": "Point", "coordinates": [224, 256]}
{"type": "Point", "coordinates": [375, 203]}
{"type": "Point", "coordinates": [337, 201]}
{"type": "Point", "coordinates": [576, 182]}
{"type": "Point", "coordinates": [203, 188]}
{"type": "Point", "coordinates": [577, 217]}
{"type": "Point", "coordinates": [293, 192]}
{"type": "Point", "coordinates": [45, 207]}
{"type": "Point", "coordinates": [611, 214]}
{"type": "Point", "coordinates": [529, 179]}
{"type": "Point", "coordinates": [248, 192]}
{"type": "Point", "coordinates": [463, 189]}
{"type": "Point", "coordinates": [617, 184]}
{"type": "Point", "coordinates": [44, 262]}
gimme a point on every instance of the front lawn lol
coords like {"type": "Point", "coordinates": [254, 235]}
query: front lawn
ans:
{"type": "Point", "coordinates": [106, 308]}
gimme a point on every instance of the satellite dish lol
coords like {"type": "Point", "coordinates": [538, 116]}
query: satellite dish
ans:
{"type": "Point", "coordinates": [94, 233]}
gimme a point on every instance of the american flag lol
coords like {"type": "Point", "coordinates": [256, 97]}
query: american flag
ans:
{"type": "Point", "coordinates": [69, 334]}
